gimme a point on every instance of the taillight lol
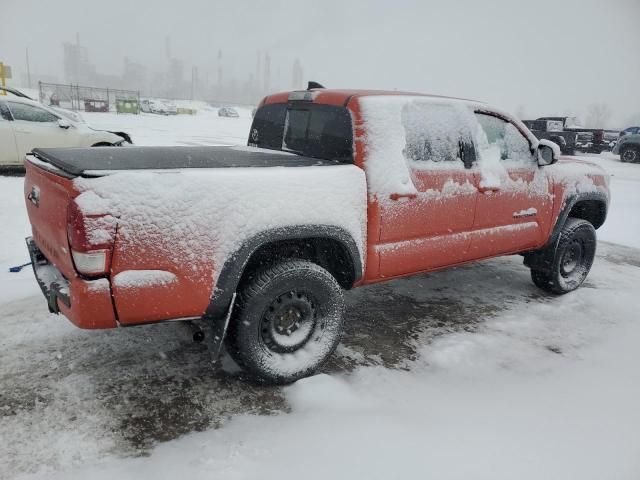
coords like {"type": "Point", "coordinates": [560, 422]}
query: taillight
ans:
{"type": "Point", "coordinates": [91, 238]}
{"type": "Point", "coordinates": [91, 263]}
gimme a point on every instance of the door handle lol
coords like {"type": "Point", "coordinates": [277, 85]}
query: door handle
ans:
{"type": "Point", "coordinates": [22, 131]}
{"type": "Point", "coordinates": [398, 196]}
{"type": "Point", "coordinates": [488, 189]}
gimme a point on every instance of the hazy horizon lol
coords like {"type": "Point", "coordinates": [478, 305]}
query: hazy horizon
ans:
{"type": "Point", "coordinates": [531, 58]}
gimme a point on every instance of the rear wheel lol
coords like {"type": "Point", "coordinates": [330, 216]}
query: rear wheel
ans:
{"type": "Point", "coordinates": [287, 322]}
{"type": "Point", "coordinates": [630, 154]}
{"type": "Point", "coordinates": [572, 258]}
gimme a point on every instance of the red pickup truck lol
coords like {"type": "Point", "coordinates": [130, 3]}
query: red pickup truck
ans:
{"type": "Point", "coordinates": [336, 189]}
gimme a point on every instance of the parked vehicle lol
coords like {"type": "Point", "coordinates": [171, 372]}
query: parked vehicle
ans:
{"type": "Point", "coordinates": [228, 112]}
{"type": "Point", "coordinates": [26, 124]}
{"type": "Point", "coordinates": [573, 137]}
{"type": "Point", "coordinates": [157, 107]}
{"type": "Point", "coordinates": [629, 131]}
{"type": "Point", "coordinates": [596, 140]}
{"type": "Point", "coordinates": [171, 108]}
{"type": "Point", "coordinates": [337, 189]}
{"type": "Point", "coordinates": [92, 105]}
{"type": "Point", "coordinates": [628, 147]}
{"type": "Point", "coordinates": [554, 131]}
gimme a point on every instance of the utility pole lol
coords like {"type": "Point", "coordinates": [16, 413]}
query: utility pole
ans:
{"type": "Point", "coordinates": [28, 69]}
{"type": "Point", "coordinates": [194, 77]}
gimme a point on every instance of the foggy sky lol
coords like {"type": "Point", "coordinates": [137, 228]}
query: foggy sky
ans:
{"type": "Point", "coordinates": [540, 56]}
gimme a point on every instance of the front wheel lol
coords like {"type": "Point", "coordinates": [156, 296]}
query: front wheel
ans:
{"type": "Point", "coordinates": [630, 154]}
{"type": "Point", "coordinates": [287, 322]}
{"type": "Point", "coordinates": [572, 258]}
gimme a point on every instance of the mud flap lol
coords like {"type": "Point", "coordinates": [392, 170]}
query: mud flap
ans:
{"type": "Point", "coordinates": [219, 331]}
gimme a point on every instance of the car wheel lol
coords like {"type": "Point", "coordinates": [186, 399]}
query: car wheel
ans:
{"type": "Point", "coordinates": [287, 322]}
{"type": "Point", "coordinates": [572, 258]}
{"type": "Point", "coordinates": [102, 144]}
{"type": "Point", "coordinates": [630, 154]}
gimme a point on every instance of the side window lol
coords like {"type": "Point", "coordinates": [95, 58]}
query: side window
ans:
{"type": "Point", "coordinates": [501, 138]}
{"type": "Point", "coordinates": [437, 134]}
{"type": "Point", "coordinates": [30, 113]}
{"type": "Point", "coordinates": [4, 112]}
{"type": "Point", "coordinates": [319, 131]}
{"type": "Point", "coordinates": [268, 126]}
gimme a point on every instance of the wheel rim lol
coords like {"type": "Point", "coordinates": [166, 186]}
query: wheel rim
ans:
{"type": "Point", "coordinates": [572, 258]}
{"type": "Point", "coordinates": [289, 321]}
{"type": "Point", "coordinates": [629, 155]}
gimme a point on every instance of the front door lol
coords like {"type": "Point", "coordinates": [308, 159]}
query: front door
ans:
{"type": "Point", "coordinates": [427, 226]}
{"type": "Point", "coordinates": [514, 200]}
{"type": "Point", "coordinates": [35, 127]}
{"type": "Point", "coordinates": [8, 151]}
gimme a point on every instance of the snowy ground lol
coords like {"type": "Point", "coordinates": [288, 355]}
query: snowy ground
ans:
{"type": "Point", "coordinates": [468, 373]}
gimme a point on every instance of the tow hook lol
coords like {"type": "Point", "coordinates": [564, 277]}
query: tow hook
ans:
{"type": "Point", "coordinates": [195, 331]}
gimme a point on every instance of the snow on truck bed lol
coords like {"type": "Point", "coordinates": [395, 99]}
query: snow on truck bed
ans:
{"type": "Point", "coordinates": [194, 214]}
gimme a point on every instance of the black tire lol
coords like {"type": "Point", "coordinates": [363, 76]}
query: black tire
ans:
{"type": "Point", "coordinates": [287, 322]}
{"type": "Point", "coordinates": [630, 154]}
{"type": "Point", "coordinates": [572, 259]}
{"type": "Point", "coordinates": [102, 144]}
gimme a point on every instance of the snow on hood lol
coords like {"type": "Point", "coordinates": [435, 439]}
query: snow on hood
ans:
{"type": "Point", "coordinates": [579, 176]}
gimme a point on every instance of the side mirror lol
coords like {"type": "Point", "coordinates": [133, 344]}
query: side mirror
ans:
{"type": "Point", "coordinates": [547, 152]}
{"type": "Point", "coordinates": [62, 123]}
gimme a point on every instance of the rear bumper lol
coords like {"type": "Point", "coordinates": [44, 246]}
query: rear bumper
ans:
{"type": "Point", "coordinates": [87, 303]}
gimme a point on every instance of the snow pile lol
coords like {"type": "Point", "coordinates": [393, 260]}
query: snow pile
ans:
{"type": "Point", "coordinates": [202, 216]}
{"type": "Point", "coordinates": [384, 143]}
{"type": "Point", "coordinates": [99, 226]}
{"type": "Point", "coordinates": [14, 227]}
{"type": "Point", "coordinates": [91, 204]}
{"type": "Point", "coordinates": [623, 222]}
{"type": "Point", "coordinates": [143, 278]}
{"type": "Point", "coordinates": [433, 132]}
{"type": "Point", "coordinates": [205, 128]}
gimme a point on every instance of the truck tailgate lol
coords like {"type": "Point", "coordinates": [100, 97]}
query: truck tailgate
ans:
{"type": "Point", "coordinates": [47, 196]}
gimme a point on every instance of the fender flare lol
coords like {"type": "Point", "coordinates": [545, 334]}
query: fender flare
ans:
{"type": "Point", "coordinates": [569, 203]}
{"type": "Point", "coordinates": [234, 266]}
{"type": "Point", "coordinates": [543, 258]}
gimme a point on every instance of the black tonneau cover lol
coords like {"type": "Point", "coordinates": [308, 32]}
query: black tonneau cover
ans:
{"type": "Point", "coordinates": [94, 160]}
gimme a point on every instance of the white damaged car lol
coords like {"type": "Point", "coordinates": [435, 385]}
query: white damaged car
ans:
{"type": "Point", "coordinates": [26, 124]}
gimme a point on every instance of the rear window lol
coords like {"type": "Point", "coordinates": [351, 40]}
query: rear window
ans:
{"type": "Point", "coordinates": [319, 131]}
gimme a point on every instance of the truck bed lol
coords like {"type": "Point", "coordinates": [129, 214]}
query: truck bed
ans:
{"type": "Point", "coordinates": [96, 161]}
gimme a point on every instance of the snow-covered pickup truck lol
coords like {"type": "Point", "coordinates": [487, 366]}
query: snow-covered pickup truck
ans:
{"type": "Point", "coordinates": [336, 189]}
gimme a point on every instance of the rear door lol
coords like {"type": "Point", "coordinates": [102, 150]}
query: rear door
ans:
{"type": "Point", "coordinates": [8, 150]}
{"type": "Point", "coordinates": [514, 201]}
{"type": "Point", "coordinates": [430, 228]}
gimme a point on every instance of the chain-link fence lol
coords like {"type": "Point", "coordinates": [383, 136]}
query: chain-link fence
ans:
{"type": "Point", "coordinates": [88, 99]}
